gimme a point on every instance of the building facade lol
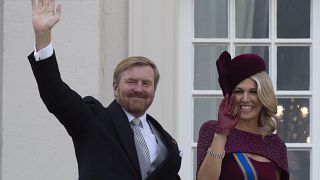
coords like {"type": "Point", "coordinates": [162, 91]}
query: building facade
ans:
{"type": "Point", "coordinates": [184, 38]}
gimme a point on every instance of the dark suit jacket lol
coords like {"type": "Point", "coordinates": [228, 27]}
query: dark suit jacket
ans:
{"type": "Point", "coordinates": [102, 137]}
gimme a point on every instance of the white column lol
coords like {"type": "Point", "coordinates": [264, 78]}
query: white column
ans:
{"type": "Point", "coordinates": [1, 86]}
{"type": "Point", "coordinates": [315, 103]}
{"type": "Point", "coordinates": [184, 97]}
{"type": "Point", "coordinates": [113, 43]}
{"type": "Point", "coordinates": [152, 33]}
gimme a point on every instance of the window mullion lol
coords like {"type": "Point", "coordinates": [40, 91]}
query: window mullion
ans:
{"type": "Point", "coordinates": [273, 48]}
{"type": "Point", "coordinates": [232, 27]}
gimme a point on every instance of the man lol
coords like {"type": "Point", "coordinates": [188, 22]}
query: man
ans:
{"type": "Point", "coordinates": [120, 142]}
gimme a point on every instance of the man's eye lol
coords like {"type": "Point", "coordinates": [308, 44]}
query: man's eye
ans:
{"type": "Point", "coordinates": [147, 83]}
{"type": "Point", "coordinates": [130, 82]}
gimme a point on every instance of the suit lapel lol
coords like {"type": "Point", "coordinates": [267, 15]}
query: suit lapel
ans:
{"type": "Point", "coordinates": [161, 148]}
{"type": "Point", "coordinates": [169, 143]}
{"type": "Point", "coordinates": [125, 133]}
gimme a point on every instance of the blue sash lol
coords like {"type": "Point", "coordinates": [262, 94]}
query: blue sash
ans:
{"type": "Point", "coordinates": [247, 169]}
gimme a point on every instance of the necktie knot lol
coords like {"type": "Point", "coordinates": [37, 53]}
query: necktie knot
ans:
{"type": "Point", "coordinates": [137, 122]}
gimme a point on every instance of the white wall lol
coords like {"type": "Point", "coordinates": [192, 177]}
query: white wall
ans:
{"type": "Point", "coordinates": [35, 146]}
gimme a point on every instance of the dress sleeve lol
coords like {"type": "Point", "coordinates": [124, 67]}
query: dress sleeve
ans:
{"type": "Point", "coordinates": [206, 135]}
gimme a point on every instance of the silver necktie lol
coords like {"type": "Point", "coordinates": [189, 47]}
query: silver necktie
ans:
{"type": "Point", "coordinates": [135, 124]}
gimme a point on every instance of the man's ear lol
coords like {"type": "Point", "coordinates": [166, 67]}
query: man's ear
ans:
{"type": "Point", "coordinates": [115, 87]}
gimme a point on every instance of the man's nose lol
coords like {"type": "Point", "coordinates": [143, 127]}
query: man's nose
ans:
{"type": "Point", "coordinates": [138, 87]}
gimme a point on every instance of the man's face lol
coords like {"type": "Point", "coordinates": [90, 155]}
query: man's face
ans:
{"type": "Point", "coordinates": [135, 90]}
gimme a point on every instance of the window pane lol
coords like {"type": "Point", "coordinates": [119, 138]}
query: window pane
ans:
{"type": "Point", "coordinates": [205, 70]}
{"type": "Point", "coordinates": [295, 116]}
{"type": "Point", "coordinates": [211, 18]}
{"type": "Point", "coordinates": [204, 109]}
{"type": "Point", "coordinates": [252, 18]}
{"type": "Point", "coordinates": [293, 68]}
{"type": "Point", "coordinates": [262, 51]}
{"type": "Point", "coordinates": [293, 18]}
{"type": "Point", "coordinates": [299, 165]}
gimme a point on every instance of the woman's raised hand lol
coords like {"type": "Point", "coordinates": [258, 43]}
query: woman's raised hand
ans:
{"type": "Point", "coordinates": [228, 116]}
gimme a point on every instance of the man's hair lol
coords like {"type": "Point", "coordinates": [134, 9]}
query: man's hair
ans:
{"type": "Point", "coordinates": [134, 61]}
{"type": "Point", "coordinates": [268, 120]}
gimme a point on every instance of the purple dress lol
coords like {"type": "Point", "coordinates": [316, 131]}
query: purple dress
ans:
{"type": "Point", "coordinates": [271, 147]}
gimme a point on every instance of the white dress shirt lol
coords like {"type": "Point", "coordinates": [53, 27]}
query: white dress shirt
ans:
{"type": "Point", "coordinates": [149, 137]}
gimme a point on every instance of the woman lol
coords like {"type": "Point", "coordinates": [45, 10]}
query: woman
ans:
{"type": "Point", "coordinates": [241, 144]}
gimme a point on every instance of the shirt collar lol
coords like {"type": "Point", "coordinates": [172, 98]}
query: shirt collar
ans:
{"type": "Point", "coordinates": [142, 118]}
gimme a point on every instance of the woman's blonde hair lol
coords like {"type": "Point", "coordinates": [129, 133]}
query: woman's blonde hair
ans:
{"type": "Point", "coordinates": [268, 120]}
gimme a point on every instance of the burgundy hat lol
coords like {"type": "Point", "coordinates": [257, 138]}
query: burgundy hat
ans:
{"type": "Point", "coordinates": [233, 71]}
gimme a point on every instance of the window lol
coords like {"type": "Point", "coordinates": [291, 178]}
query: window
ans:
{"type": "Point", "coordinates": [284, 33]}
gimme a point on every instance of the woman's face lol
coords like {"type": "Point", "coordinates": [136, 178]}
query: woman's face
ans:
{"type": "Point", "coordinates": [247, 100]}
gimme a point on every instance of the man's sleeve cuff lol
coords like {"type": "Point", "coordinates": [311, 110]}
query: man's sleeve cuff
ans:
{"type": "Point", "coordinates": [43, 53]}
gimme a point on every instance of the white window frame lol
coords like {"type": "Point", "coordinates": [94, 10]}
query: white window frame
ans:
{"type": "Point", "coordinates": [185, 91]}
